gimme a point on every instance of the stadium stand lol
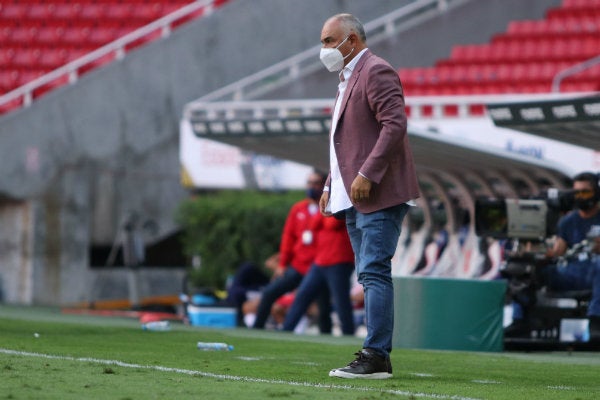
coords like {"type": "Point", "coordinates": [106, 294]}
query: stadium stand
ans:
{"type": "Point", "coordinates": [39, 37]}
{"type": "Point", "coordinates": [523, 59]}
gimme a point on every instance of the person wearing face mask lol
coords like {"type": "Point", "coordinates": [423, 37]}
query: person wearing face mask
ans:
{"type": "Point", "coordinates": [296, 253]}
{"type": "Point", "coordinates": [580, 274]}
{"type": "Point", "coordinates": [372, 180]}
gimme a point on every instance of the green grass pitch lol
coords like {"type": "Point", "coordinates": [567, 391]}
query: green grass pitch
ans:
{"type": "Point", "coordinates": [45, 354]}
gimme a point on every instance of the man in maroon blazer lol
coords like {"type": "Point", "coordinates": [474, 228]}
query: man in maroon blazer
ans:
{"type": "Point", "coordinates": [372, 180]}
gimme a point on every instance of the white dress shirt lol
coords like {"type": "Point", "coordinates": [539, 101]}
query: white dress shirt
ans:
{"type": "Point", "coordinates": [338, 198]}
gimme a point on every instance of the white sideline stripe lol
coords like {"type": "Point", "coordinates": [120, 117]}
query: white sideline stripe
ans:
{"type": "Point", "coordinates": [229, 377]}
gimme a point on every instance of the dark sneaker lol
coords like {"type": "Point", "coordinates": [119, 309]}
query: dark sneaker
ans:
{"type": "Point", "coordinates": [367, 365]}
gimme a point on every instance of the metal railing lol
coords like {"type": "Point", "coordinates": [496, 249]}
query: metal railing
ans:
{"type": "Point", "coordinates": [573, 70]}
{"type": "Point", "coordinates": [424, 107]}
{"type": "Point", "coordinates": [307, 62]}
{"type": "Point", "coordinates": [117, 48]}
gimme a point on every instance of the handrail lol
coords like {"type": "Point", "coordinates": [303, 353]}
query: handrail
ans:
{"type": "Point", "coordinates": [572, 70]}
{"type": "Point", "coordinates": [307, 62]}
{"type": "Point", "coordinates": [117, 46]}
{"type": "Point", "coordinates": [422, 107]}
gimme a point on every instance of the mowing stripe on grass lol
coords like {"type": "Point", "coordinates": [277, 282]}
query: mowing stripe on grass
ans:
{"type": "Point", "coordinates": [229, 377]}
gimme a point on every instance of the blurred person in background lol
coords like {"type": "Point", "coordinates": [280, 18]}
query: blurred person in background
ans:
{"type": "Point", "coordinates": [330, 273]}
{"type": "Point", "coordinates": [296, 251]}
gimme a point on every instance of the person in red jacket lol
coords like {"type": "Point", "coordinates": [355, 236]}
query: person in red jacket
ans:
{"type": "Point", "coordinates": [330, 273]}
{"type": "Point", "coordinates": [296, 250]}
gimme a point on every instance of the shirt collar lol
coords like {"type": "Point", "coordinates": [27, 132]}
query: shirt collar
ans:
{"type": "Point", "coordinates": [348, 69]}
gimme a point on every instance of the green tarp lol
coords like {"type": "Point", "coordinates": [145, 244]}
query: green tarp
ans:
{"type": "Point", "coordinates": [448, 314]}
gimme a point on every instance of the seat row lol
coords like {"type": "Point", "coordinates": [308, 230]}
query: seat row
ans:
{"type": "Point", "coordinates": [42, 12]}
{"type": "Point", "coordinates": [491, 88]}
{"type": "Point", "coordinates": [502, 72]}
{"type": "Point", "coordinates": [554, 28]}
{"type": "Point", "coordinates": [543, 49]}
{"type": "Point", "coordinates": [52, 37]}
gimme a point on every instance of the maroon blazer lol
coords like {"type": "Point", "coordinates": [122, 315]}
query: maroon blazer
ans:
{"type": "Point", "coordinates": [371, 135]}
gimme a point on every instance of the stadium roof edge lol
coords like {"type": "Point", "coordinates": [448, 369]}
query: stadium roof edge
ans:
{"type": "Point", "coordinates": [574, 120]}
{"type": "Point", "coordinates": [297, 130]}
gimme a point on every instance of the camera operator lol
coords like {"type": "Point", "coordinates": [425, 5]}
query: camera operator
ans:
{"type": "Point", "coordinates": [580, 273]}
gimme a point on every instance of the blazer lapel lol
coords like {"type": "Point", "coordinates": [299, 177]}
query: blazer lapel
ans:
{"type": "Point", "coordinates": [353, 79]}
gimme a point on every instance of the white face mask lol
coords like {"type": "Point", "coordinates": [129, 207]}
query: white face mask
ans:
{"type": "Point", "coordinates": [333, 59]}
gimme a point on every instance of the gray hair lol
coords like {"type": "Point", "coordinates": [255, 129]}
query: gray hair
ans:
{"type": "Point", "coordinates": [352, 24]}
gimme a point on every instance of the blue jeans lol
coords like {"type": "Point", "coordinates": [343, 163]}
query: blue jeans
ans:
{"type": "Point", "coordinates": [576, 275]}
{"type": "Point", "coordinates": [336, 278]}
{"type": "Point", "coordinates": [579, 275]}
{"type": "Point", "coordinates": [374, 239]}
{"type": "Point", "coordinates": [289, 281]}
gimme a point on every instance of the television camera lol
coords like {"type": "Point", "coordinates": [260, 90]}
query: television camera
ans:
{"type": "Point", "coordinates": [525, 228]}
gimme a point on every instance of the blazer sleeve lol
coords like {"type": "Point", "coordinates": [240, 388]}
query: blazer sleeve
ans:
{"type": "Point", "coordinates": [386, 99]}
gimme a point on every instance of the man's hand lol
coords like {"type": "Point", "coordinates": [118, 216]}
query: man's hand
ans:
{"type": "Point", "coordinates": [323, 201]}
{"type": "Point", "coordinates": [360, 189]}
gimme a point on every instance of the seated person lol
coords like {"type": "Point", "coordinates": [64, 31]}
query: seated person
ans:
{"type": "Point", "coordinates": [580, 274]}
{"type": "Point", "coordinates": [247, 283]}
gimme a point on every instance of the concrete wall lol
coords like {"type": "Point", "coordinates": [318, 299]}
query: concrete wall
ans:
{"type": "Point", "coordinates": [83, 156]}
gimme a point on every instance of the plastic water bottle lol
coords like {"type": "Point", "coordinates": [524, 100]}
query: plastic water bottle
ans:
{"type": "Point", "coordinates": [157, 326]}
{"type": "Point", "coordinates": [211, 346]}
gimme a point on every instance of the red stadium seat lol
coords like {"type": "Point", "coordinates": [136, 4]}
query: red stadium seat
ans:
{"type": "Point", "coordinates": [67, 11]}
{"type": "Point", "coordinates": [76, 35]}
{"type": "Point", "coordinates": [12, 11]}
{"type": "Point", "coordinates": [149, 12]}
{"type": "Point", "coordinates": [54, 58]}
{"type": "Point", "coordinates": [50, 35]}
{"type": "Point", "coordinates": [27, 58]}
{"type": "Point", "coordinates": [119, 11]}
{"type": "Point", "coordinates": [8, 80]}
{"type": "Point", "coordinates": [23, 36]}
{"type": "Point", "coordinates": [102, 35]}
{"type": "Point", "coordinates": [28, 76]}
{"type": "Point", "coordinates": [40, 11]}
{"type": "Point", "coordinates": [93, 11]}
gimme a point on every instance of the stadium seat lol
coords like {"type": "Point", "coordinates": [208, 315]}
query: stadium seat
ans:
{"type": "Point", "coordinates": [101, 35]}
{"type": "Point", "coordinates": [27, 58]}
{"type": "Point", "coordinates": [67, 11]}
{"type": "Point", "coordinates": [53, 58]}
{"type": "Point", "coordinates": [75, 35]}
{"type": "Point", "coordinates": [26, 76]}
{"type": "Point", "coordinates": [8, 80]}
{"type": "Point", "coordinates": [49, 35]}
{"type": "Point", "coordinates": [22, 36]}
{"type": "Point", "coordinates": [12, 11]}
{"type": "Point", "coordinates": [119, 11]}
{"type": "Point", "coordinates": [40, 11]}
{"type": "Point", "coordinates": [150, 11]}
